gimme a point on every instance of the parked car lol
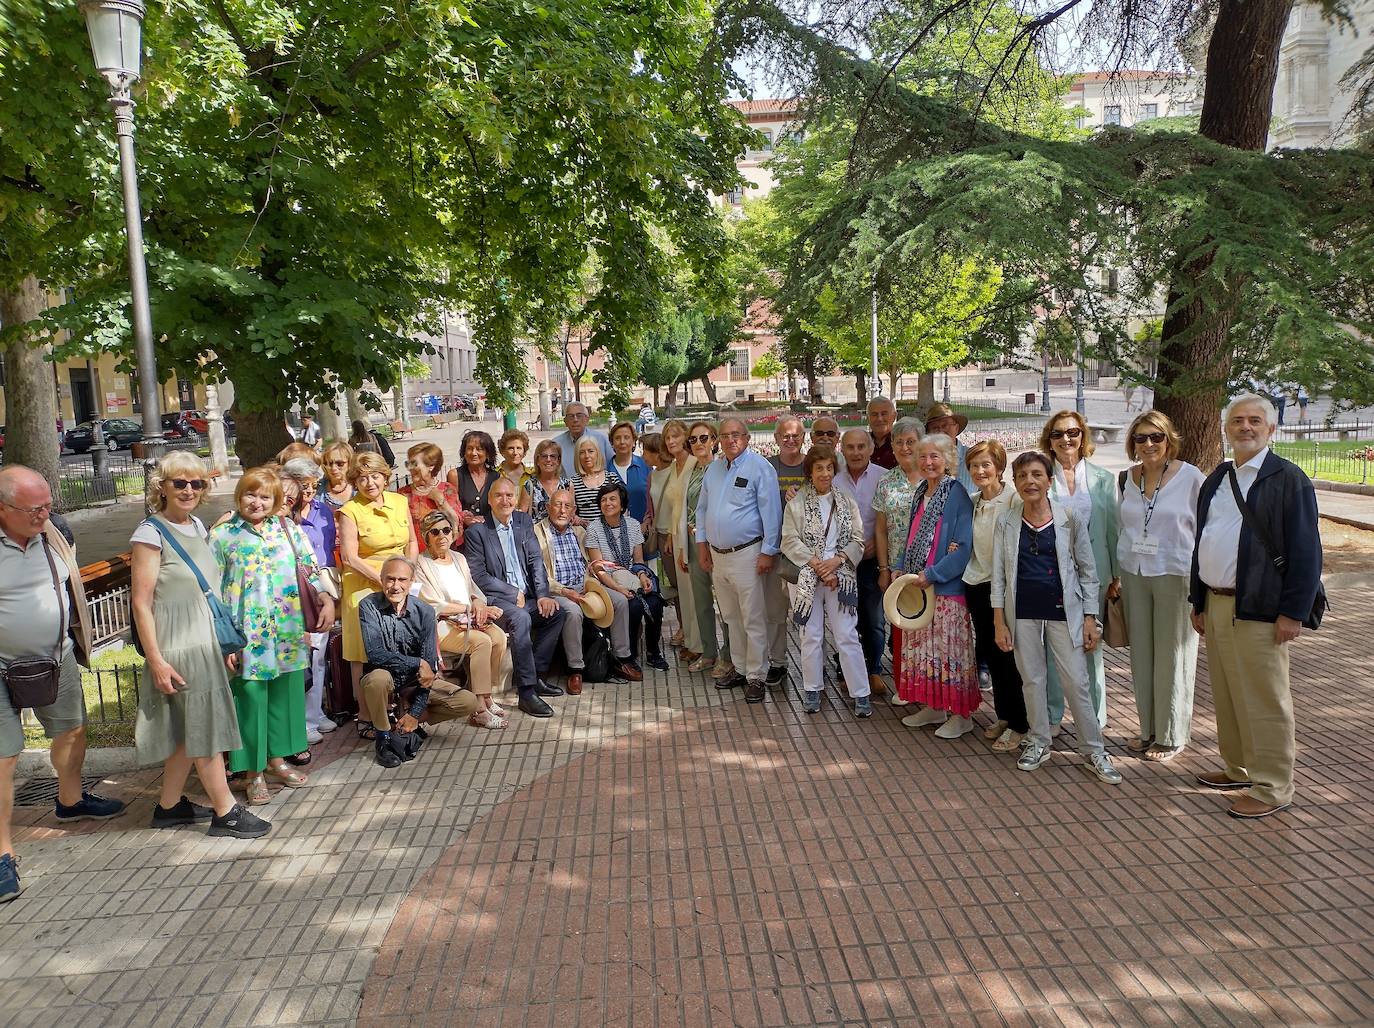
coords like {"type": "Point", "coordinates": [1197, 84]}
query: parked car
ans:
{"type": "Point", "coordinates": [119, 433]}
{"type": "Point", "coordinates": [198, 422]}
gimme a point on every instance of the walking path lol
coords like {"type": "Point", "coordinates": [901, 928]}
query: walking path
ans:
{"type": "Point", "coordinates": [665, 855]}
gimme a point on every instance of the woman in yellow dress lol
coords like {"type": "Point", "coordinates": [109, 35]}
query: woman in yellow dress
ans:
{"type": "Point", "coordinates": [373, 526]}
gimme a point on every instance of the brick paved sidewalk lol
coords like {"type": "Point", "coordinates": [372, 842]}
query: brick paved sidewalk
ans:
{"type": "Point", "coordinates": [665, 855]}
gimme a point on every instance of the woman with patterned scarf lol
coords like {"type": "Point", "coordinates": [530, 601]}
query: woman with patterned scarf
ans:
{"type": "Point", "coordinates": [823, 534]}
{"type": "Point", "coordinates": [936, 665]}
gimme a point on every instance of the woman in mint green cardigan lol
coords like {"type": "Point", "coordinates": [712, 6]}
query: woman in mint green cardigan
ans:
{"type": "Point", "coordinates": [1089, 491]}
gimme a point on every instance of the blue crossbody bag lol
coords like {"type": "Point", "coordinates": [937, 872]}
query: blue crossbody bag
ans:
{"type": "Point", "coordinates": [228, 629]}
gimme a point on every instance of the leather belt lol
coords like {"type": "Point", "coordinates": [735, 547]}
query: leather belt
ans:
{"type": "Point", "coordinates": [1221, 592]}
{"type": "Point", "coordinates": [741, 546]}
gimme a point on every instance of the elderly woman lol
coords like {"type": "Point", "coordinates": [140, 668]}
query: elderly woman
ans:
{"type": "Point", "coordinates": [715, 657]}
{"type": "Point", "coordinates": [259, 556]}
{"type": "Point", "coordinates": [514, 445]}
{"type": "Point", "coordinates": [427, 490]}
{"type": "Point", "coordinates": [1090, 492]}
{"type": "Point", "coordinates": [654, 456]}
{"type": "Point", "coordinates": [935, 665]}
{"type": "Point", "coordinates": [987, 463]}
{"type": "Point", "coordinates": [317, 522]}
{"type": "Point", "coordinates": [892, 505]}
{"type": "Point", "coordinates": [336, 459]}
{"type": "Point", "coordinates": [823, 534]}
{"type": "Point", "coordinates": [616, 537]}
{"type": "Point", "coordinates": [591, 475]}
{"type": "Point", "coordinates": [1044, 587]}
{"type": "Point", "coordinates": [373, 526]}
{"type": "Point", "coordinates": [1158, 521]}
{"type": "Point", "coordinates": [546, 480]}
{"type": "Point", "coordinates": [474, 477]}
{"type": "Point", "coordinates": [630, 468]}
{"type": "Point", "coordinates": [186, 711]}
{"type": "Point", "coordinates": [466, 623]}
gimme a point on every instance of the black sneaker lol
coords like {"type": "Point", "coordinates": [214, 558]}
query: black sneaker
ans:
{"type": "Point", "coordinates": [91, 808]}
{"type": "Point", "coordinates": [386, 753]}
{"type": "Point", "coordinates": [776, 676]}
{"type": "Point", "coordinates": [656, 661]}
{"type": "Point", "coordinates": [753, 692]}
{"type": "Point", "coordinates": [183, 813]}
{"type": "Point", "coordinates": [239, 823]}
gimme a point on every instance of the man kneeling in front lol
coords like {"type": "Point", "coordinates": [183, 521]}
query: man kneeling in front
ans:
{"type": "Point", "coordinates": [402, 657]}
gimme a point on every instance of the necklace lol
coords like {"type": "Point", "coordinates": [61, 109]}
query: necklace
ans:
{"type": "Point", "coordinates": [1150, 501]}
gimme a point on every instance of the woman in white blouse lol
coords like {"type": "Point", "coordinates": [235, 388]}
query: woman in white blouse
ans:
{"type": "Point", "coordinates": [1158, 519]}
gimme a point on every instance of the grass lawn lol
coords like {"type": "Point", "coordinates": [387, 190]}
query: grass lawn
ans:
{"type": "Point", "coordinates": [111, 689]}
{"type": "Point", "coordinates": [1331, 459]}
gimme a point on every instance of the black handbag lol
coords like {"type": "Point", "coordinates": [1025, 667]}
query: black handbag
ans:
{"type": "Point", "coordinates": [1276, 557]}
{"type": "Point", "coordinates": [33, 681]}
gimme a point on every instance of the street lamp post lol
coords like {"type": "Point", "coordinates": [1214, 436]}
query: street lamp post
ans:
{"type": "Point", "coordinates": [116, 31]}
{"type": "Point", "coordinates": [875, 383]}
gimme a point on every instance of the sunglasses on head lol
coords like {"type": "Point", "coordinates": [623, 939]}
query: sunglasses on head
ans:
{"type": "Point", "coordinates": [195, 483]}
{"type": "Point", "coordinates": [701, 437]}
{"type": "Point", "coordinates": [1141, 438]}
{"type": "Point", "coordinates": [1066, 433]}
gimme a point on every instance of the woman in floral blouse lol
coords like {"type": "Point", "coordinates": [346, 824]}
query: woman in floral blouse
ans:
{"type": "Point", "coordinates": [257, 555]}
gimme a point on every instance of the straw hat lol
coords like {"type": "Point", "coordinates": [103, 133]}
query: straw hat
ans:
{"type": "Point", "coordinates": [943, 410]}
{"type": "Point", "coordinates": [907, 605]}
{"type": "Point", "coordinates": [596, 603]}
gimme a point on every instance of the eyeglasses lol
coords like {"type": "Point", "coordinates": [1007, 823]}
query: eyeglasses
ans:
{"type": "Point", "coordinates": [441, 530]}
{"type": "Point", "coordinates": [699, 438]}
{"type": "Point", "coordinates": [33, 512]}
{"type": "Point", "coordinates": [794, 436]}
{"type": "Point", "coordinates": [1141, 438]}
{"type": "Point", "coordinates": [734, 435]}
{"type": "Point", "coordinates": [195, 483]}
{"type": "Point", "coordinates": [1066, 433]}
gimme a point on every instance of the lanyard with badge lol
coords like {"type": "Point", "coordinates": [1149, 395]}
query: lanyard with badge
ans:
{"type": "Point", "coordinates": [1145, 546]}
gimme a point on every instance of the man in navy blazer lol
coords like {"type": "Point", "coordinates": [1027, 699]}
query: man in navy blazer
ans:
{"type": "Point", "coordinates": [503, 556]}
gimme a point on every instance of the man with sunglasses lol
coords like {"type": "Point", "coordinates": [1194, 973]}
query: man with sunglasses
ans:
{"type": "Point", "coordinates": [826, 432]}
{"type": "Point", "coordinates": [42, 615]}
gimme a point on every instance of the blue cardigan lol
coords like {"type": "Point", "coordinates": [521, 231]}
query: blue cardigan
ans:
{"type": "Point", "coordinates": [636, 479]}
{"type": "Point", "coordinates": [956, 527]}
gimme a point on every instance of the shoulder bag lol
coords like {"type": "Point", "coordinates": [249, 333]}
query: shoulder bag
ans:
{"type": "Point", "coordinates": [33, 681]}
{"type": "Point", "coordinates": [1276, 557]}
{"type": "Point", "coordinates": [228, 629]}
{"type": "Point", "coordinates": [309, 596]}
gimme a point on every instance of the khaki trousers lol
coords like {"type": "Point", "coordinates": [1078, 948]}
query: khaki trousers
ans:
{"type": "Point", "coordinates": [1249, 673]}
{"type": "Point", "coordinates": [739, 594]}
{"type": "Point", "coordinates": [487, 647]}
{"type": "Point", "coordinates": [779, 613]}
{"type": "Point", "coordinates": [446, 701]}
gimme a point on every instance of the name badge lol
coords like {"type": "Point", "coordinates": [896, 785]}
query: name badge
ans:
{"type": "Point", "coordinates": [741, 483]}
{"type": "Point", "coordinates": [1145, 546]}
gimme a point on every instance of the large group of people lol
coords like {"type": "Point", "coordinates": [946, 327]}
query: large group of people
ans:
{"type": "Point", "coordinates": [900, 544]}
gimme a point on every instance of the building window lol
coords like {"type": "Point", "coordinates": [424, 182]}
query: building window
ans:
{"type": "Point", "coordinates": [1111, 114]}
{"type": "Point", "coordinates": [1081, 121]}
{"type": "Point", "coordinates": [1148, 111]}
{"type": "Point", "coordinates": [1111, 280]}
{"type": "Point", "coordinates": [735, 197]}
{"type": "Point", "coordinates": [739, 367]}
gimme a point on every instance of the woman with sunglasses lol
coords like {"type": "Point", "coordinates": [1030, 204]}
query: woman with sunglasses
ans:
{"type": "Point", "coordinates": [1090, 492]}
{"type": "Point", "coordinates": [336, 460]}
{"type": "Point", "coordinates": [186, 711]}
{"type": "Point", "coordinates": [548, 478]}
{"type": "Point", "coordinates": [715, 657]}
{"type": "Point", "coordinates": [1158, 518]}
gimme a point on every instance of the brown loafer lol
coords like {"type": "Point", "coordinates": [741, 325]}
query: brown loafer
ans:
{"type": "Point", "coordinates": [1249, 808]}
{"type": "Point", "coordinates": [574, 686]}
{"type": "Point", "coordinates": [628, 671]}
{"type": "Point", "coordinates": [876, 685]}
{"type": "Point", "coordinates": [1220, 781]}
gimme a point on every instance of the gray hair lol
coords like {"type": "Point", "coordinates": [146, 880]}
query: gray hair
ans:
{"type": "Point", "coordinates": [908, 426]}
{"type": "Point", "coordinates": [302, 469]}
{"type": "Point", "coordinates": [882, 401]}
{"type": "Point", "coordinates": [945, 445]}
{"type": "Point", "coordinates": [567, 408]}
{"type": "Point", "coordinates": [398, 558]}
{"type": "Point", "coordinates": [1271, 415]}
{"type": "Point", "coordinates": [732, 420]}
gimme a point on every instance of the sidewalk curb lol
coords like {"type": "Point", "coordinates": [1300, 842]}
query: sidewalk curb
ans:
{"type": "Point", "coordinates": [35, 763]}
{"type": "Point", "coordinates": [1354, 488]}
{"type": "Point", "coordinates": [1350, 522]}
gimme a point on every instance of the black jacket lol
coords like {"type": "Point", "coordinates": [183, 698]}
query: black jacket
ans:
{"type": "Point", "coordinates": [1283, 499]}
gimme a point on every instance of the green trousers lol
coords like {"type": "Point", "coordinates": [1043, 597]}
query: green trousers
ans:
{"type": "Point", "coordinates": [704, 608]}
{"type": "Point", "coordinates": [271, 719]}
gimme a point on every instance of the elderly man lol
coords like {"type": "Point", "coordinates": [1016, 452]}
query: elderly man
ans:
{"type": "Point", "coordinates": [739, 531]}
{"type": "Point", "coordinates": [403, 662]}
{"type": "Point", "coordinates": [859, 478]}
{"type": "Point", "coordinates": [503, 556]}
{"type": "Point", "coordinates": [790, 434]}
{"type": "Point", "coordinates": [575, 416]}
{"type": "Point", "coordinates": [565, 563]}
{"type": "Point", "coordinates": [882, 415]}
{"type": "Point", "coordinates": [941, 418]}
{"type": "Point", "coordinates": [42, 617]}
{"type": "Point", "coordinates": [1249, 603]}
{"type": "Point", "coordinates": [825, 432]}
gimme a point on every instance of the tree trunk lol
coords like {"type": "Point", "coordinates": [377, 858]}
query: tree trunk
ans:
{"type": "Point", "coordinates": [1196, 349]}
{"type": "Point", "coordinates": [655, 388]}
{"type": "Point", "coordinates": [861, 388]}
{"type": "Point", "coordinates": [333, 424]}
{"type": "Point", "coordinates": [710, 387]}
{"type": "Point", "coordinates": [813, 386]}
{"type": "Point", "coordinates": [925, 390]}
{"type": "Point", "coordinates": [672, 400]}
{"type": "Point", "coordinates": [356, 410]}
{"type": "Point", "coordinates": [261, 435]}
{"type": "Point", "coordinates": [30, 403]}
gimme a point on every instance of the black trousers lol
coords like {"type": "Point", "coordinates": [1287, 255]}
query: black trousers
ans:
{"type": "Point", "coordinates": [1007, 698]}
{"type": "Point", "coordinates": [872, 622]}
{"type": "Point", "coordinates": [652, 620]}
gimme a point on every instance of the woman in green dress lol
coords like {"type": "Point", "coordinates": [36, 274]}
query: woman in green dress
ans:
{"type": "Point", "coordinates": [185, 708]}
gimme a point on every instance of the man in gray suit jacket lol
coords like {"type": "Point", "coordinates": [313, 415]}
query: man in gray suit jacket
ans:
{"type": "Point", "coordinates": [504, 559]}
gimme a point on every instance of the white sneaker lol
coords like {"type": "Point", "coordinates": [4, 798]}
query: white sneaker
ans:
{"type": "Point", "coordinates": [1034, 757]}
{"type": "Point", "coordinates": [326, 726]}
{"type": "Point", "coordinates": [313, 736]}
{"type": "Point", "coordinates": [1101, 765]}
{"type": "Point", "coordinates": [893, 700]}
{"type": "Point", "coordinates": [928, 716]}
{"type": "Point", "coordinates": [954, 728]}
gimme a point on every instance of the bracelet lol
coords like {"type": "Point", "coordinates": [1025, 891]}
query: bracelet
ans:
{"type": "Point", "coordinates": [884, 567]}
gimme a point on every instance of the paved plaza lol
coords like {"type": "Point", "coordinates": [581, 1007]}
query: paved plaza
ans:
{"type": "Point", "coordinates": [663, 855]}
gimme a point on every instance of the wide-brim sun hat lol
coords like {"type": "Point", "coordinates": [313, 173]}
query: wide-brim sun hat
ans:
{"type": "Point", "coordinates": [944, 410]}
{"type": "Point", "coordinates": [597, 603]}
{"type": "Point", "coordinates": [907, 605]}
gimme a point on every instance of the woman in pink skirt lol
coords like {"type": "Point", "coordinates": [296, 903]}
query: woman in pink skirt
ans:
{"type": "Point", "coordinates": [936, 665]}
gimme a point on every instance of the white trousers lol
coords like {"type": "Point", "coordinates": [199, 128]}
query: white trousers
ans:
{"type": "Point", "coordinates": [314, 695]}
{"type": "Point", "coordinates": [1034, 641]}
{"type": "Point", "coordinates": [826, 612]}
{"type": "Point", "coordinates": [740, 597]}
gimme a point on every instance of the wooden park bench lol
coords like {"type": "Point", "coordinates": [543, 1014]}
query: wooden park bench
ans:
{"type": "Point", "coordinates": [1352, 429]}
{"type": "Point", "coordinates": [1107, 433]}
{"type": "Point", "coordinates": [399, 429]}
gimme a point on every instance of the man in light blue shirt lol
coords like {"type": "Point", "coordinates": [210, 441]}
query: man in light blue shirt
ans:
{"type": "Point", "coordinates": [739, 531]}
{"type": "Point", "coordinates": [575, 417]}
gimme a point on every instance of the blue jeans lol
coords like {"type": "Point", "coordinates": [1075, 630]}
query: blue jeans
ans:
{"type": "Point", "coordinates": [872, 623]}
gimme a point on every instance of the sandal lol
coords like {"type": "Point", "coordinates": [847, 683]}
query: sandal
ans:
{"type": "Point", "coordinates": [257, 793]}
{"type": "Point", "coordinates": [1139, 745]}
{"type": "Point", "coordinates": [299, 759]}
{"type": "Point", "coordinates": [486, 719]}
{"type": "Point", "coordinates": [366, 731]}
{"type": "Point", "coordinates": [288, 777]}
{"type": "Point", "coordinates": [1162, 754]}
{"type": "Point", "coordinates": [995, 730]}
{"type": "Point", "coordinates": [497, 709]}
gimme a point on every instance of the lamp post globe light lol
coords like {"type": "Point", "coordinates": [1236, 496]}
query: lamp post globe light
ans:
{"type": "Point", "coordinates": [116, 31]}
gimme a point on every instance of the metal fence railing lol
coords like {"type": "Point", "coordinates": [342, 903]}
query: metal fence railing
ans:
{"type": "Point", "coordinates": [1332, 461]}
{"type": "Point", "coordinates": [110, 617]}
{"type": "Point", "coordinates": [111, 696]}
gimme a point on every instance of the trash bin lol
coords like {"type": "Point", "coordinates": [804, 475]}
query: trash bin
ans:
{"type": "Point", "coordinates": [1030, 399]}
{"type": "Point", "coordinates": [509, 420]}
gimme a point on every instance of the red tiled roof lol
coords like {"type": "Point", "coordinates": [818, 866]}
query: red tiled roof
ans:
{"type": "Point", "coordinates": [1126, 75]}
{"type": "Point", "coordinates": [767, 106]}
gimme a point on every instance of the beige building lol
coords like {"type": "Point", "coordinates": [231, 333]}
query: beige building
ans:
{"type": "Point", "coordinates": [1131, 97]}
{"type": "Point", "coordinates": [1311, 103]}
